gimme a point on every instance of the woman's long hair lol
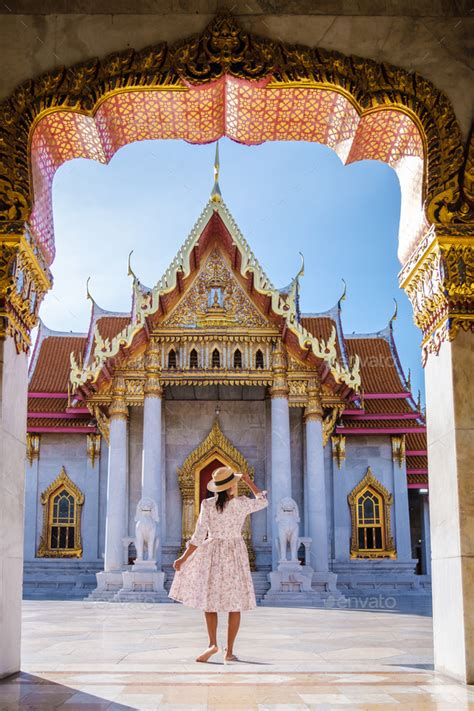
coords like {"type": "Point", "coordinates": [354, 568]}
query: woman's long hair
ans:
{"type": "Point", "coordinates": [222, 499]}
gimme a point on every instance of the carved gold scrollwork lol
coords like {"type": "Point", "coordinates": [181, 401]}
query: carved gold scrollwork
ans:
{"type": "Point", "coordinates": [93, 448]}
{"type": "Point", "coordinates": [329, 421]}
{"type": "Point", "coordinates": [338, 449]}
{"type": "Point", "coordinates": [398, 449]}
{"type": "Point", "coordinates": [32, 447]}
{"type": "Point", "coordinates": [439, 282]}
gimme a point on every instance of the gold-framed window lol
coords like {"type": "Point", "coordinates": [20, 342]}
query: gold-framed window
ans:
{"type": "Point", "coordinates": [62, 504]}
{"type": "Point", "coordinates": [370, 504]}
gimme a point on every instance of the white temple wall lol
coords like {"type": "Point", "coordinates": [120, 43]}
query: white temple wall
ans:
{"type": "Point", "coordinates": [59, 450]}
{"type": "Point", "coordinates": [374, 451]}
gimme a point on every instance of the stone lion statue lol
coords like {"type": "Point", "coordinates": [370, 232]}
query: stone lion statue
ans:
{"type": "Point", "coordinates": [146, 518]}
{"type": "Point", "coordinates": [287, 520]}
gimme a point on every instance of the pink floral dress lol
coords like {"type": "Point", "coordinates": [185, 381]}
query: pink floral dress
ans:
{"type": "Point", "coordinates": [216, 577]}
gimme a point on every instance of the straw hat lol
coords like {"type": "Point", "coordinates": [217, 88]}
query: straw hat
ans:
{"type": "Point", "coordinates": [223, 478]}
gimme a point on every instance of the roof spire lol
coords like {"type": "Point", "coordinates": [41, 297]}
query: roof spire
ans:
{"type": "Point", "coordinates": [88, 293]}
{"type": "Point", "coordinates": [395, 314]}
{"type": "Point", "coordinates": [216, 191]}
{"type": "Point", "coordinates": [343, 295]}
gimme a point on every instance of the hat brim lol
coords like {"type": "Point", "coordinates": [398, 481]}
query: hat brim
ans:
{"type": "Point", "coordinates": [212, 486]}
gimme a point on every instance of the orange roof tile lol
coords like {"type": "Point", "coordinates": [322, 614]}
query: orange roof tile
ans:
{"type": "Point", "coordinates": [51, 373]}
{"type": "Point", "coordinates": [378, 371]}
{"type": "Point", "coordinates": [417, 462]}
{"type": "Point", "coordinates": [416, 441]}
{"type": "Point", "coordinates": [387, 424]}
{"type": "Point", "coordinates": [54, 422]}
{"type": "Point", "coordinates": [388, 405]}
{"type": "Point", "coordinates": [417, 478]}
{"type": "Point", "coordinates": [47, 404]}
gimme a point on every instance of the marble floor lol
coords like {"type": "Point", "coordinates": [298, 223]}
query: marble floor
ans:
{"type": "Point", "coordinates": [132, 656]}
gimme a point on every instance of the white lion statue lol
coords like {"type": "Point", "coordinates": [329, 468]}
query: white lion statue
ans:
{"type": "Point", "coordinates": [287, 519]}
{"type": "Point", "coordinates": [146, 518]}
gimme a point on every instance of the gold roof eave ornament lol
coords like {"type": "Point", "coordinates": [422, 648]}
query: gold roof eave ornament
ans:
{"type": "Point", "coordinates": [146, 304]}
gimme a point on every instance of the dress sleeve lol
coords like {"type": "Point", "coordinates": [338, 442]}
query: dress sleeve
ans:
{"type": "Point", "coordinates": [201, 529]}
{"type": "Point", "coordinates": [259, 502]}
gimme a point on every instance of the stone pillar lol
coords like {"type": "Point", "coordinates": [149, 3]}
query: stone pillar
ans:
{"type": "Point", "coordinates": [152, 435]}
{"type": "Point", "coordinates": [400, 498]}
{"type": "Point", "coordinates": [438, 280]}
{"type": "Point", "coordinates": [90, 513]}
{"type": "Point", "coordinates": [13, 404]}
{"type": "Point", "coordinates": [280, 441]}
{"type": "Point", "coordinates": [425, 536]}
{"type": "Point", "coordinates": [31, 495]}
{"type": "Point", "coordinates": [315, 480]}
{"type": "Point", "coordinates": [117, 484]}
{"type": "Point", "coordinates": [450, 416]}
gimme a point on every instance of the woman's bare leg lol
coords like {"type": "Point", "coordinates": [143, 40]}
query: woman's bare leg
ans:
{"type": "Point", "coordinates": [232, 629]}
{"type": "Point", "coordinates": [211, 622]}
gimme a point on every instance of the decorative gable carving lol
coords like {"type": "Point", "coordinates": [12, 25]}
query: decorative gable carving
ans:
{"type": "Point", "coordinates": [215, 299]}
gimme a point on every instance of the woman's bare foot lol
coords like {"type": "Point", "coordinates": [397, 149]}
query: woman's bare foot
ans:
{"type": "Point", "coordinates": [205, 656]}
{"type": "Point", "coordinates": [230, 657]}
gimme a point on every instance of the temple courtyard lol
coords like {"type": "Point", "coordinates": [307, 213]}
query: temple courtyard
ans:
{"type": "Point", "coordinates": [140, 656]}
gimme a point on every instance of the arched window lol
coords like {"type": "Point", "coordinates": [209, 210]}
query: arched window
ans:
{"type": "Point", "coordinates": [193, 359]}
{"type": "Point", "coordinates": [62, 503]}
{"type": "Point", "coordinates": [259, 359]}
{"type": "Point", "coordinates": [237, 358]}
{"type": "Point", "coordinates": [172, 358]}
{"type": "Point", "coordinates": [216, 359]}
{"type": "Point", "coordinates": [370, 504]}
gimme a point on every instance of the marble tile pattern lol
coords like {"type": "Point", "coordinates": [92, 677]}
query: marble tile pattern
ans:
{"type": "Point", "coordinates": [89, 655]}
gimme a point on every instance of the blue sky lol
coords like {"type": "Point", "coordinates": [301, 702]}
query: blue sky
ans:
{"type": "Point", "coordinates": [286, 197]}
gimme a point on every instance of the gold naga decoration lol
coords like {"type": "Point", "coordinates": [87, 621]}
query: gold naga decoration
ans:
{"type": "Point", "coordinates": [32, 447]}
{"type": "Point", "coordinates": [225, 48]}
{"type": "Point", "coordinates": [338, 449]}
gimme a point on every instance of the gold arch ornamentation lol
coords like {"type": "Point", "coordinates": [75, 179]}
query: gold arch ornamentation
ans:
{"type": "Point", "coordinates": [45, 549]}
{"type": "Point", "coordinates": [215, 445]}
{"type": "Point", "coordinates": [372, 484]}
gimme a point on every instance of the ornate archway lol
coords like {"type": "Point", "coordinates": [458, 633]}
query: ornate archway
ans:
{"type": "Point", "coordinates": [370, 503]}
{"type": "Point", "coordinates": [216, 447]}
{"type": "Point", "coordinates": [61, 535]}
{"type": "Point", "coordinates": [226, 81]}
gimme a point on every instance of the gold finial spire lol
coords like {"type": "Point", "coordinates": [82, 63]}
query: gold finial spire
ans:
{"type": "Point", "coordinates": [88, 293]}
{"type": "Point", "coordinates": [395, 314]}
{"type": "Point", "coordinates": [216, 191]}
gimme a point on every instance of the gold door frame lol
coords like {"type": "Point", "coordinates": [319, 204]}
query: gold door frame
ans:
{"type": "Point", "coordinates": [215, 446]}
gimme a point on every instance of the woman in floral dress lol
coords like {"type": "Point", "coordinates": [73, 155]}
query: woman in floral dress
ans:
{"type": "Point", "coordinates": [213, 574]}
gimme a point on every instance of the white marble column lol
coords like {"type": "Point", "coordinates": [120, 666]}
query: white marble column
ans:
{"type": "Point", "coordinates": [425, 535]}
{"type": "Point", "coordinates": [280, 443]}
{"type": "Point", "coordinates": [152, 433]}
{"type": "Point", "coordinates": [400, 499]}
{"type": "Point", "coordinates": [315, 481]}
{"type": "Point", "coordinates": [117, 484]}
{"type": "Point", "coordinates": [450, 417]}
{"type": "Point", "coordinates": [13, 405]}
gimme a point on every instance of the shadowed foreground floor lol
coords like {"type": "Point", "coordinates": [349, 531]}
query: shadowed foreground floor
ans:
{"type": "Point", "coordinates": [132, 656]}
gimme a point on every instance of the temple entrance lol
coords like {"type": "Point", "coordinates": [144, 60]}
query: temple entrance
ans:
{"type": "Point", "coordinates": [215, 450]}
{"type": "Point", "coordinates": [205, 476]}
